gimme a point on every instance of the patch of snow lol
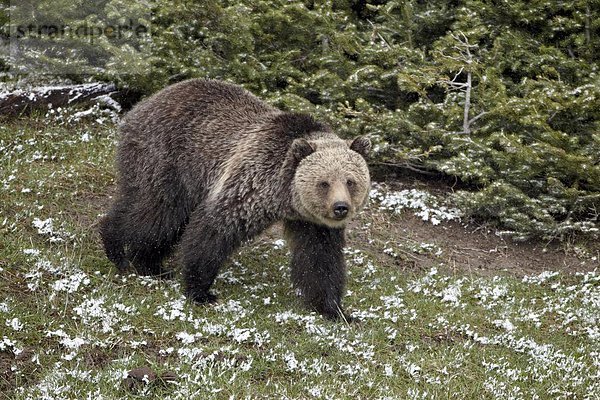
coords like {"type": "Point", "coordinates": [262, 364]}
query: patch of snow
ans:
{"type": "Point", "coordinates": [425, 205]}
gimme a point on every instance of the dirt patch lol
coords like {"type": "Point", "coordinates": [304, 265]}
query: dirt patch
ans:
{"type": "Point", "coordinates": [462, 248]}
{"type": "Point", "coordinates": [98, 358]}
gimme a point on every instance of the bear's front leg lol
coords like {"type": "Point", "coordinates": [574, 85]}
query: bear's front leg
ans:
{"type": "Point", "coordinates": [205, 246]}
{"type": "Point", "coordinates": [318, 268]}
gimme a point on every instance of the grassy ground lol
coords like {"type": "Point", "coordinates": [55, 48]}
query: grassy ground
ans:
{"type": "Point", "coordinates": [70, 328]}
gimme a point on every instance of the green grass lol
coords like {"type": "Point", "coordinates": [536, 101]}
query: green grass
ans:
{"type": "Point", "coordinates": [70, 328]}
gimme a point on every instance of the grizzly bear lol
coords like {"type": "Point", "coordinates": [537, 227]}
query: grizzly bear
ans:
{"type": "Point", "coordinates": [209, 165]}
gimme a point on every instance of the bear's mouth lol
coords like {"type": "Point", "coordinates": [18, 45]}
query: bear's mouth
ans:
{"type": "Point", "coordinates": [337, 220]}
{"type": "Point", "coordinates": [338, 217]}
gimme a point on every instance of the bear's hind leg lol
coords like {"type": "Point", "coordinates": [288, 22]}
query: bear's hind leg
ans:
{"type": "Point", "coordinates": [112, 235]}
{"type": "Point", "coordinates": [318, 268]}
{"type": "Point", "coordinates": [153, 231]}
{"type": "Point", "coordinates": [147, 258]}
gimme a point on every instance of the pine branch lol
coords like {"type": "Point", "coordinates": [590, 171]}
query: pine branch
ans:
{"type": "Point", "coordinates": [478, 116]}
{"type": "Point", "coordinates": [379, 34]}
{"type": "Point", "coordinates": [409, 166]}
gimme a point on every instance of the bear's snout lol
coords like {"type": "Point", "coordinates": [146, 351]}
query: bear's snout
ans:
{"type": "Point", "coordinates": [340, 209]}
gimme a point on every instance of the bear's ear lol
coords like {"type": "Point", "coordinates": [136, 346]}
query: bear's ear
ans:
{"type": "Point", "coordinates": [361, 145]}
{"type": "Point", "coordinates": [301, 148]}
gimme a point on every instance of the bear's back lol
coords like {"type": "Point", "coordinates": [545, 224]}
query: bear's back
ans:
{"type": "Point", "coordinates": [189, 106]}
{"type": "Point", "coordinates": [186, 132]}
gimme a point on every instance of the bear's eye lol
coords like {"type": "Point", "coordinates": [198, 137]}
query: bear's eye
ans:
{"type": "Point", "coordinates": [350, 183]}
{"type": "Point", "coordinates": [323, 185]}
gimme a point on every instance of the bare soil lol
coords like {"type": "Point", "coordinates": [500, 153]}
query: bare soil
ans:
{"type": "Point", "coordinates": [471, 249]}
{"type": "Point", "coordinates": [467, 246]}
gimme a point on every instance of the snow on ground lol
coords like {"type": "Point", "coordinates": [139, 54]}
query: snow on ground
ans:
{"type": "Point", "coordinates": [90, 316]}
{"type": "Point", "coordinates": [423, 204]}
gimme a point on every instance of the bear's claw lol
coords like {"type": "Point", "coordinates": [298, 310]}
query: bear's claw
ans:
{"type": "Point", "coordinates": [203, 298]}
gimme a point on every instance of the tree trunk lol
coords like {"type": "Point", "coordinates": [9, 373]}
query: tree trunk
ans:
{"type": "Point", "coordinates": [466, 122]}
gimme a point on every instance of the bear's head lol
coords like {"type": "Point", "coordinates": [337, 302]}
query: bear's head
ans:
{"type": "Point", "coordinates": [332, 181]}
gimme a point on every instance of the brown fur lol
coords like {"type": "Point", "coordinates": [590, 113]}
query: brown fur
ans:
{"type": "Point", "coordinates": [210, 165]}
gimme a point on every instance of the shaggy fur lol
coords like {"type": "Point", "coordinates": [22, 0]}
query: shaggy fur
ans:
{"type": "Point", "coordinates": [209, 165]}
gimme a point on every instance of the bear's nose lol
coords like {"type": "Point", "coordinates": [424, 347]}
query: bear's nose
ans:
{"type": "Point", "coordinates": [340, 209]}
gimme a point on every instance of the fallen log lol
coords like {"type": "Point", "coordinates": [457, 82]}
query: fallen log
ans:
{"type": "Point", "coordinates": [23, 102]}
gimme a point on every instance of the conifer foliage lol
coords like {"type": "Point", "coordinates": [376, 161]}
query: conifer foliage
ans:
{"type": "Point", "coordinates": [503, 95]}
